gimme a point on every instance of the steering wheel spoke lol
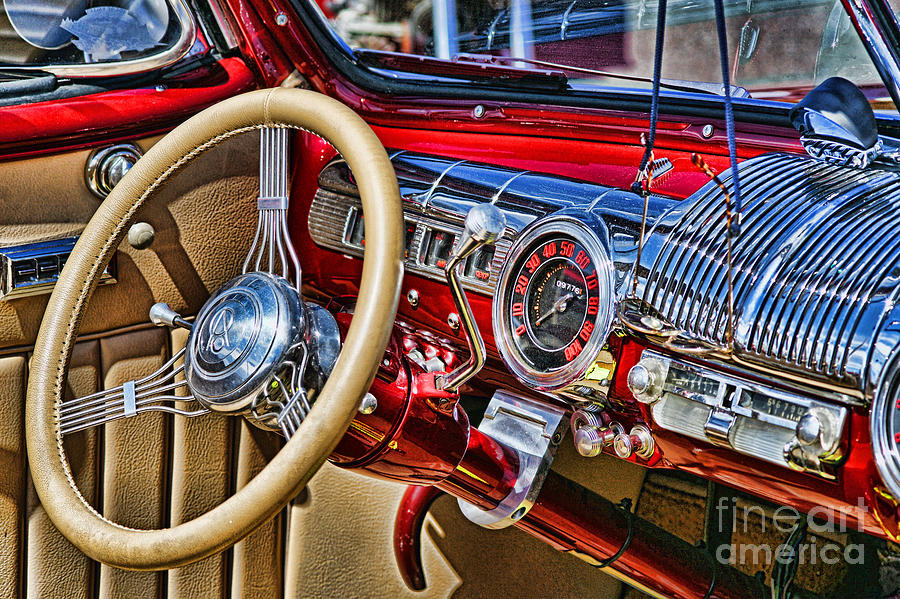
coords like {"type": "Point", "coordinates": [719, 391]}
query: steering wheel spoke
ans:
{"type": "Point", "coordinates": [272, 250]}
{"type": "Point", "coordinates": [156, 392]}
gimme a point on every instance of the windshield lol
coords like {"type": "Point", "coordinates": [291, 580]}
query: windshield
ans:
{"type": "Point", "coordinates": [779, 49]}
{"type": "Point", "coordinates": [42, 33]}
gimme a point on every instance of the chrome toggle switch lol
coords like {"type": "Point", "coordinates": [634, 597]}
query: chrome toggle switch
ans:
{"type": "Point", "coordinates": [646, 380]}
{"type": "Point", "coordinates": [638, 442]}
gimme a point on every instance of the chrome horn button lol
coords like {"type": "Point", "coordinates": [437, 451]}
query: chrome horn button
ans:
{"type": "Point", "coordinates": [242, 336]}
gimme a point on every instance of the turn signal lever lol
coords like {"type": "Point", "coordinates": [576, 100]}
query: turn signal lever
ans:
{"type": "Point", "coordinates": [485, 224]}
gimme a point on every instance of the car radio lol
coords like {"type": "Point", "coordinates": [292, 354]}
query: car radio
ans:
{"type": "Point", "coordinates": [773, 425]}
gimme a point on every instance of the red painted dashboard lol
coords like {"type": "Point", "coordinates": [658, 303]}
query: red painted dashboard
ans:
{"type": "Point", "coordinates": [606, 162]}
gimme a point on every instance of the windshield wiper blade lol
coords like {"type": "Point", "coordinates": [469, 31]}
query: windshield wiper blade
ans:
{"type": "Point", "coordinates": [673, 84]}
{"type": "Point", "coordinates": [493, 75]}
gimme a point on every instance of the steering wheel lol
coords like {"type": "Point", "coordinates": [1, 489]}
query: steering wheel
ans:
{"type": "Point", "coordinates": [337, 403]}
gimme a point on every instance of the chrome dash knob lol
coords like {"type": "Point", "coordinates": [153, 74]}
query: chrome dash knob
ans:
{"type": "Point", "coordinates": [485, 223]}
{"type": "Point", "coordinates": [646, 380]}
{"type": "Point", "coordinates": [590, 441]}
{"type": "Point", "coordinates": [808, 429]}
{"type": "Point", "coordinates": [638, 442]}
{"type": "Point", "coordinates": [582, 418]}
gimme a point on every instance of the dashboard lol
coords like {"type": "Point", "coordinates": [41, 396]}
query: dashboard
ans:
{"type": "Point", "coordinates": [549, 298]}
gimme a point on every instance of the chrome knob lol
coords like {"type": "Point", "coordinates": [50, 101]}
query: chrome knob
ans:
{"type": "Point", "coordinates": [590, 440]}
{"type": "Point", "coordinates": [646, 380]}
{"type": "Point", "coordinates": [485, 223]}
{"type": "Point", "coordinates": [368, 404]}
{"type": "Point", "coordinates": [808, 429]}
{"type": "Point", "coordinates": [116, 168]}
{"type": "Point", "coordinates": [582, 418]}
{"type": "Point", "coordinates": [638, 442]}
{"type": "Point", "coordinates": [107, 166]}
{"type": "Point", "coordinates": [163, 316]}
{"type": "Point", "coordinates": [818, 426]}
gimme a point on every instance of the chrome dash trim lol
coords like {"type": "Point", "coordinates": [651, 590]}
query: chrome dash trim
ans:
{"type": "Point", "coordinates": [503, 187]}
{"type": "Point", "coordinates": [816, 268]}
{"type": "Point", "coordinates": [453, 187]}
{"type": "Point", "coordinates": [331, 213]}
{"type": "Point", "coordinates": [33, 268]}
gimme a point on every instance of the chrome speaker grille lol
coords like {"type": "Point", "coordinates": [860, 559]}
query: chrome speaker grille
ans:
{"type": "Point", "coordinates": [815, 267]}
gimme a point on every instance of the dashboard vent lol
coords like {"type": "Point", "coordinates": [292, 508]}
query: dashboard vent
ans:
{"type": "Point", "coordinates": [816, 266]}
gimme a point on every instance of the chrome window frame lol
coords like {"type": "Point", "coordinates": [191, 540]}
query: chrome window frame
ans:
{"type": "Point", "coordinates": [171, 55]}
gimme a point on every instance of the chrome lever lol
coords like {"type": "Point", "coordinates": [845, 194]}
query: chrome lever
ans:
{"type": "Point", "coordinates": [163, 316]}
{"type": "Point", "coordinates": [485, 225]}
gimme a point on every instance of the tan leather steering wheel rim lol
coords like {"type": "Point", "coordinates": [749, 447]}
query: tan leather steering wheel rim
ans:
{"type": "Point", "coordinates": [335, 407]}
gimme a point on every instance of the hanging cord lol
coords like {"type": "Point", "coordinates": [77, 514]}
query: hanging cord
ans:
{"type": "Point", "coordinates": [732, 204]}
{"type": "Point", "coordinates": [735, 224]}
{"type": "Point", "coordinates": [644, 177]}
{"type": "Point", "coordinates": [698, 161]}
{"type": "Point", "coordinates": [654, 100]}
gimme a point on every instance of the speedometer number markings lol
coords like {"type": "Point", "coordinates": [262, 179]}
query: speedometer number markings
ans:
{"type": "Point", "coordinates": [551, 317]}
{"type": "Point", "coordinates": [554, 302]}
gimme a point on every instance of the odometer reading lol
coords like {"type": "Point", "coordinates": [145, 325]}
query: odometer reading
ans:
{"type": "Point", "coordinates": [554, 303]}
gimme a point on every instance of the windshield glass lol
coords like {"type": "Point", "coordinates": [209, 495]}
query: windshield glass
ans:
{"type": "Point", "coordinates": [41, 33]}
{"type": "Point", "coordinates": [779, 48]}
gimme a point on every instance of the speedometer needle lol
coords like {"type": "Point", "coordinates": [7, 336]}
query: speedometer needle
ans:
{"type": "Point", "coordinates": [559, 305]}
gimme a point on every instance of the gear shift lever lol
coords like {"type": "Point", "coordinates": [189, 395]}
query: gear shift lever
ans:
{"type": "Point", "coordinates": [485, 224]}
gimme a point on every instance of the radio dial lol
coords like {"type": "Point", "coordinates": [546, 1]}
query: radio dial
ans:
{"type": "Point", "coordinates": [646, 380]}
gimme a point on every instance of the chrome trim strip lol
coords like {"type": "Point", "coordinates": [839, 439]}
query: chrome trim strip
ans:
{"type": "Point", "coordinates": [503, 187]}
{"type": "Point", "coordinates": [564, 25]}
{"type": "Point", "coordinates": [437, 182]}
{"type": "Point", "coordinates": [883, 56]}
{"type": "Point", "coordinates": [173, 54]}
{"type": "Point", "coordinates": [225, 28]}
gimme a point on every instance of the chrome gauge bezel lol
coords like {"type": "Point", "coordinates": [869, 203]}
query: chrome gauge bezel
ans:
{"type": "Point", "coordinates": [530, 238]}
{"type": "Point", "coordinates": [884, 448]}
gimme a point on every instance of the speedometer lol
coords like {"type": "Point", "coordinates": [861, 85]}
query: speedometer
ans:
{"type": "Point", "coordinates": [884, 423]}
{"type": "Point", "coordinates": [553, 309]}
